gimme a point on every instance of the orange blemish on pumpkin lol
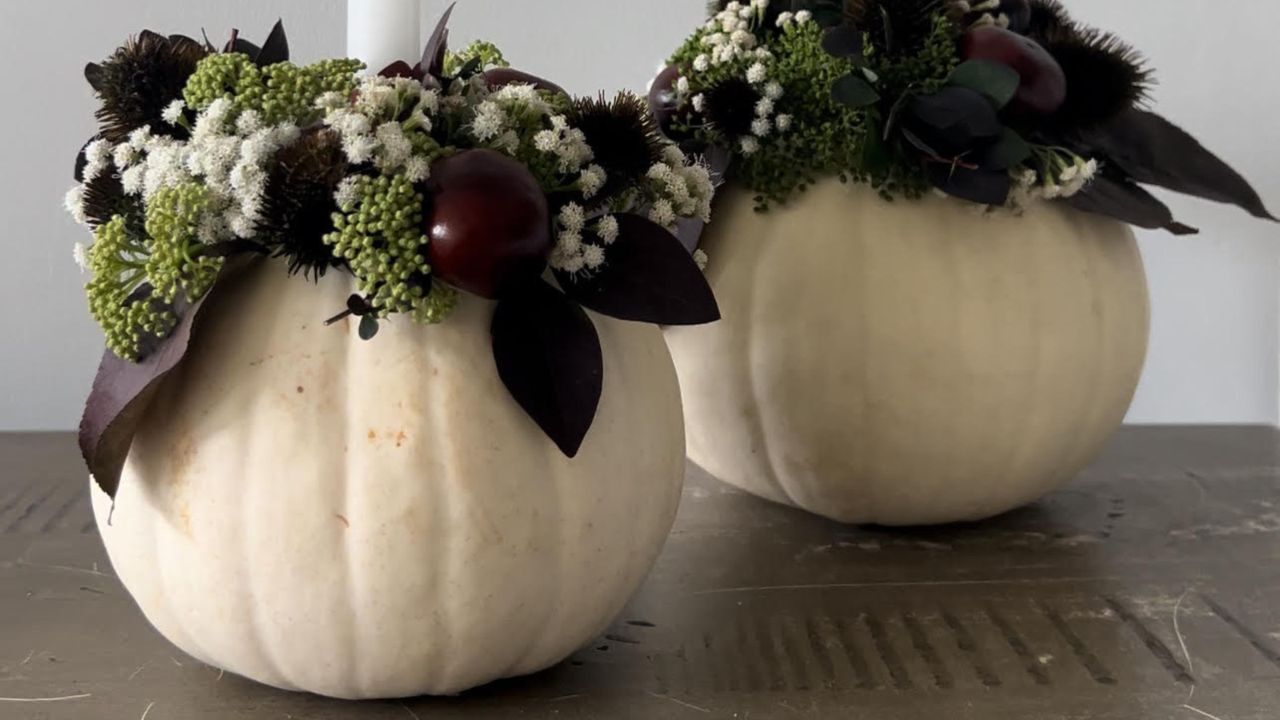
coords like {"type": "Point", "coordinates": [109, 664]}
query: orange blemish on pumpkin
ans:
{"type": "Point", "coordinates": [301, 389]}
{"type": "Point", "coordinates": [373, 435]}
{"type": "Point", "coordinates": [401, 437]}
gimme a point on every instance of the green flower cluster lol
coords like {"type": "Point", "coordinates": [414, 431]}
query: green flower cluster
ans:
{"type": "Point", "coordinates": [484, 53]}
{"type": "Point", "coordinates": [176, 261]}
{"type": "Point", "coordinates": [128, 315]}
{"type": "Point", "coordinates": [137, 276]}
{"type": "Point", "coordinates": [380, 237]}
{"type": "Point", "coordinates": [283, 92]}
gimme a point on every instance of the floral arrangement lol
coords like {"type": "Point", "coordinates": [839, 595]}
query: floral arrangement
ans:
{"type": "Point", "coordinates": [998, 102]}
{"type": "Point", "coordinates": [457, 175]}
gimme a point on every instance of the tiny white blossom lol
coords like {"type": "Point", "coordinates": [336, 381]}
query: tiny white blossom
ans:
{"type": "Point", "coordinates": [173, 112]}
{"type": "Point", "coordinates": [760, 127]}
{"type": "Point", "coordinates": [573, 264]}
{"type": "Point", "coordinates": [785, 18]}
{"type": "Point", "coordinates": [248, 123]}
{"type": "Point", "coordinates": [417, 169]}
{"type": "Point", "coordinates": [764, 107]}
{"type": "Point", "coordinates": [569, 243]}
{"type": "Point", "coordinates": [74, 203]}
{"type": "Point", "coordinates": [593, 256]}
{"type": "Point", "coordinates": [699, 102]}
{"type": "Point", "coordinates": [592, 181]}
{"type": "Point", "coordinates": [701, 259]}
{"type": "Point", "coordinates": [573, 217]}
{"type": "Point", "coordinates": [131, 180]}
{"type": "Point", "coordinates": [607, 229]}
{"type": "Point", "coordinates": [743, 39]}
{"type": "Point", "coordinates": [673, 155]}
{"type": "Point", "coordinates": [331, 101]}
{"type": "Point", "coordinates": [701, 63]}
{"type": "Point", "coordinates": [359, 148]}
{"type": "Point", "coordinates": [773, 91]}
{"type": "Point", "coordinates": [803, 17]}
{"type": "Point", "coordinates": [783, 122]}
{"type": "Point", "coordinates": [80, 254]}
{"type": "Point", "coordinates": [749, 145]}
{"type": "Point", "coordinates": [757, 73]}
{"type": "Point", "coordinates": [125, 155]}
{"type": "Point", "coordinates": [396, 148]}
{"type": "Point", "coordinates": [489, 122]}
{"type": "Point", "coordinates": [346, 195]}
{"type": "Point", "coordinates": [682, 86]}
{"type": "Point", "coordinates": [663, 213]}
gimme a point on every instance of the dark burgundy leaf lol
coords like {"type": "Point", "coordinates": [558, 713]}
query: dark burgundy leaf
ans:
{"type": "Point", "coordinates": [276, 48]}
{"type": "Point", "coordinates": [649, 277]}
{"type": "Point", "coordinates": [150, 36]}
{"type": "Point", "coordinates": [843, 41]}
{"type": "Point", "coordinates": [498, 77]}
{"type": "Point", "coordinates": [433, 54]}
{"type": "Point", "coordinates": [981, 186]}
{"type": "Point", "coordinates": [123, 390]}
{"type": "Point", "coordinates": [548, 355]}
{"type": "Point", "coordinates": [1126, 201]}
{"type": "Point", "coordinates": [1154, 151]}
{"type": "Point", "coordinates": [238, 44]}
{"type": "Point", "coordinates": [93, 74]}
{"type": "Point", "coordinates": [401, 69]}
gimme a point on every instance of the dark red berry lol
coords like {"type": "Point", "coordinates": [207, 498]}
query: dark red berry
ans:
{"type": "Point", "coordinates": [1044, 85]}
{"type": "Point", "coordinates": [489, 225]}
{"type": "Point", "coordinates": [662, 97]}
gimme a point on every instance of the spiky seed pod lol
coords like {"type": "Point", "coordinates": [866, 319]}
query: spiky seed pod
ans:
{"type": "Point", "coordinates": [1050, 22]}
{"type": "Point", "coordinates": [1105, 76]}
{"type": "Point", "coordinates": [623, 135]}
{"type": "Point", "coordinates": [104, 199]}
{"type": "Point", "coordinates": [731, 107]}
{"type": "Point", "coordinates": [142, 78]}
{"type": "Point", "coordinates": [299, 206]}
{"type": "Point", "coordinates": [897, 27]}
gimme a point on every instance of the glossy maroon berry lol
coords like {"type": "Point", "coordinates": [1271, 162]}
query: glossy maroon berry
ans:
{"type": "Point", "coordinates": [662, 97]}
{"type": "Point", "coordinates": [1044, 85]}
{"type": "Point", "coordinates": [489, 225]}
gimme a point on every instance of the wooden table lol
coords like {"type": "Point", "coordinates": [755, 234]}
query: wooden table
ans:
{"type": "Point", "coordinates": [1148, 587]}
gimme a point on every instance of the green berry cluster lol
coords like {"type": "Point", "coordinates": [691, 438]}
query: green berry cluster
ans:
{"type": "Point", "coordinates": [283, 92]}
{"type": "Point", "coordinates": [380, 238]}
{"type": "Point", "coordinates": [485, 53]}
{"type": "Point", "coordinates": [128, 315]}
{"type": "Point", "coordinates": [176, 261]}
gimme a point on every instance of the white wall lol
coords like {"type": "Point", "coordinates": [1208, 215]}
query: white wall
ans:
{"type": "Point", "coordinates": [1216, 344]}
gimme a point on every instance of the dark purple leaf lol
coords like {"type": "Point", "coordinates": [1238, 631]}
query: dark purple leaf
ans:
{"type": "Point", "coordinates": [238, 44]}
{"type": "Point", "coordinates": [981, 186]}
{"type": "Point", "coordinates": [93, 74]}
{"type": "Point", "coordinates": [843, 41]}
{"type": "Point", "coordinates": [276, 48]}
{"type": "Point", "coordinates": [437, 45]}
{"type": "Point", "coordinates": [1126, 201]}
{"type": "Point", "coordinates": [123, 390]}
{"type": "Point", "coordinates": [498, 77]}
{"type": "Point", "coordinates": [648, 277]}
{"type": "Point", "coordinates": [548, 355]}
{"type": "Point", "coordinates": [1154, 151]}
{"type": "Point", "coordinates": [401, 69]}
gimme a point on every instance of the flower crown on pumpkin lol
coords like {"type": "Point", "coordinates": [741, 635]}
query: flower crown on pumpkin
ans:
{"type": "Point", "coordinates": [458, 174]}
{"type": "Point", "coordinates": [998, 102]}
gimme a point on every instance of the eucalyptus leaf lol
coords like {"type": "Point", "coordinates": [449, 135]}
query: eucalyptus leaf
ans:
{"type": "Point", "coordinates": [997, 82]}
{"type": "Point", "coordinates": [368, 327]}
{"type": "Point", "coordinates": [843, 41]}
{"type": "Point", "coordinates": [1008, 152]}
{"type": "Point", "coordinates": [853, 91]}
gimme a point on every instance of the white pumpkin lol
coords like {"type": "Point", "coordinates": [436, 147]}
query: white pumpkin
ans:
{"type": "Point", "coordinates": [381, 519]}
{"type": "Point", "coordinates": [910, 362]}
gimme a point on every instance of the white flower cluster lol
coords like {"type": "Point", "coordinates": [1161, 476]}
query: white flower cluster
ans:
{"type": "Point", "coordinates": [371, 128]}
{"type": "Point", "coordinates": [567, 144]}
{"type": "Point", "coordinates": [729, 36]}
{"type": "Point", "coordinates": [1063, 180]}
{"type": "Point", "coordinates": [679, 189]}
{"type": "Point", "coordinates": [573, 253]}
{"type": "Point", "coordinates": [231, 158]}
